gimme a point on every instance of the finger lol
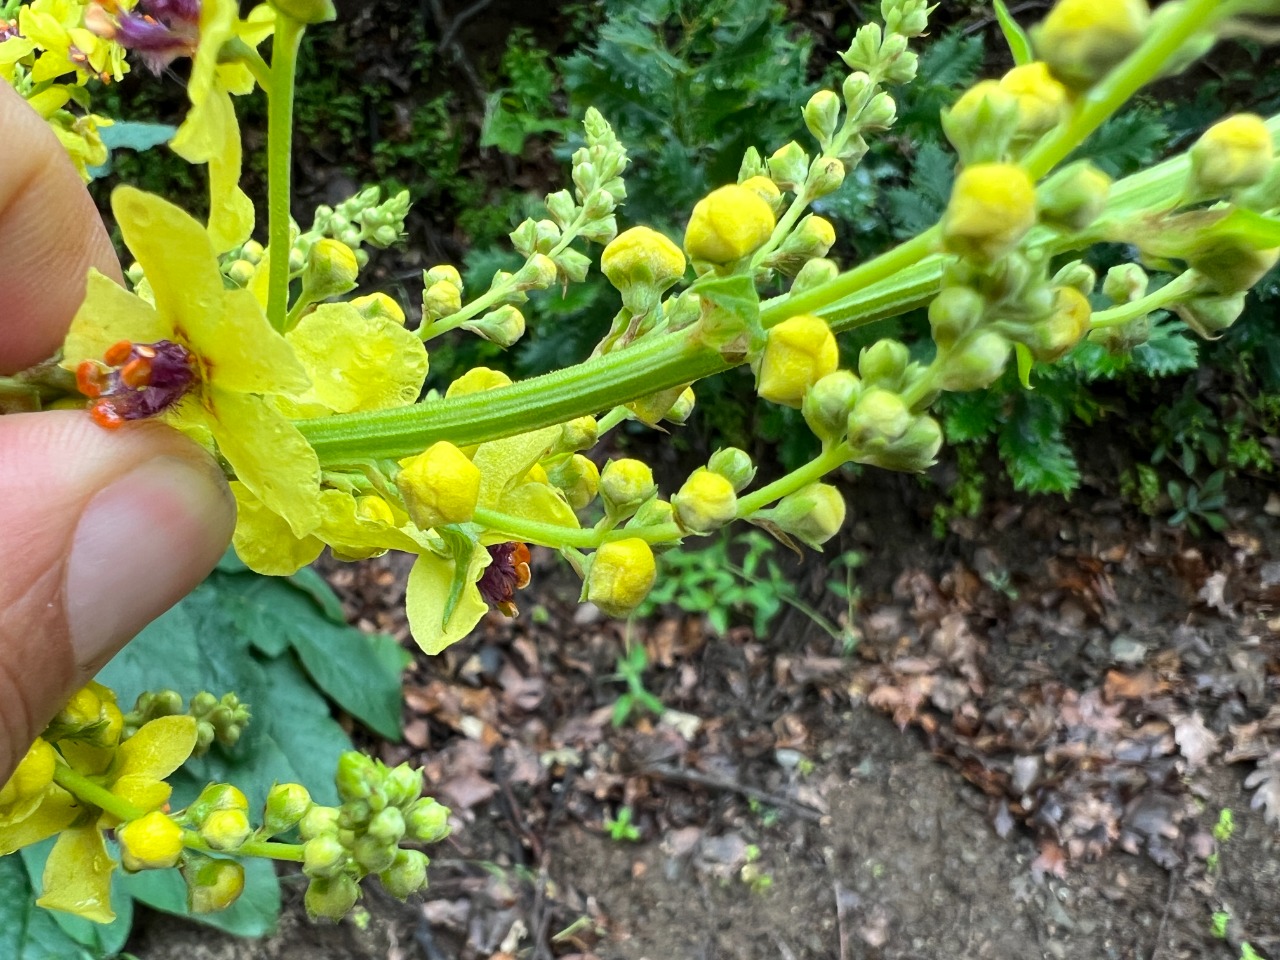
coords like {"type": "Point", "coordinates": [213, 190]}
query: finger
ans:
{"type": "Point", "coordinates": [50, 235]}
{"type": "Point", "coordinates": [103, 532]}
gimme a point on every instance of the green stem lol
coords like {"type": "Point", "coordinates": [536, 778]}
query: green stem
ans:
{"type": "Point", "coordinates": [83, 788]}
{"type": "Point", "coordinates": [555, 535]}
{"type": "Point", "coordinates": [236, 50]}
{"type": "Point", "coordinates": [266, 849]}
{"type": "Point", "coordinates": [284, 67]}
{"type": "Point", "coordinates": [1173, 291]}
{"type": "Point", "coordinates": [797, 479]}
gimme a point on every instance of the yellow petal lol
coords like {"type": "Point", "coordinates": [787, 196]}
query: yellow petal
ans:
{"type": "Point", "coordinates": [77, 875]}
{"type": "Point", "coordinates": [244, 353]}
{"type": "Point", "coordinates": [503, 462]}
{"type": "Point", "coordinates": [270, 457]}
{"type": "Point", "coordinates": [211, 134]}
{"type": "Point", "coordinates": [540, 502]}
{"type": "Point", "coordinates": [108, 315]}
{"type": "Point", "coordinates": [145, 793]}
{"type": "Point", "coordinates": [158, 748]}
{"type": "Point", "coordinates": [54, 811]}
{"type": "Point", "coordinates": [427, 591]}
{"type": "Point", "coordinates": [264, 541]}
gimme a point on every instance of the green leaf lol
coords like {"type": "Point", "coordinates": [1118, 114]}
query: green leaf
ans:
{"type": "Point", "coordinates": [254, 914]}
{"type": "Point", "coordinates": [309, 581]}
{"type": "Point", "coordinates": [360, 672]}
{"type": "Point", "coordinates": [28, 932]}
{"type": "Point", "coordinates": [1033, 450]}
{"type": "Point", "coordinates": [1014, 35]}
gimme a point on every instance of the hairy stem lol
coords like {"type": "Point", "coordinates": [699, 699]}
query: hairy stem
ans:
{"type": "Point", "coordinates": [284, 68]}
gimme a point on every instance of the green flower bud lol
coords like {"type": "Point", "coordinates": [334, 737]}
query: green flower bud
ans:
{"type": "Point", "coordinates": [307, 11]}
{"type": "Point", "coordinates": [1074, 197]}
{"type": "Point", "coordinates": [1211, 316]}
{"type": "Point", "coordinates": [241, 272]}
{"type": "Point", "coordinates": [827, 404]}
{"type": "Point", "coordinates": [727, 225]}
{"type": "Point", "coordinates": [1077, 274]}
{"type": "Point", "coordinates": [789, 166]}
{"type": "Point", "coordinates": [573, 265]}
{"type": "Point", "coordinates": [212, 885]}
{"type": "Point", "coordinates": [878, 416]}
{"type": "Point", "coordinates": [379, 306]}
{"type": "Point", "coordinates": [578, 477]}
{"type": "Point", "coordinates": [814, 273]}
{"type": "Point", "coordinates": [152, 842]}
{"type": "Point", "coordinates": [1125, 283]}
{"type": "Point", "coordinates": [822, 115]}
{"type": "Point", "coordinates": [318, 821]}
{"type": "Point", "coordinates": [579, 434]}
{"type": "Point", "coordinates": [682, 408]}
{"type": "Point", "coordinates": [387, 826]}
{"type": "Point", "coordinates": [656, 406]}
{"type": "Point", "coordinates": [883, 363]}
{"type": "Point", "coordinates": [403, 785]}
{"type": "Point", "coordinates": [252, 251]}
{"type": "Point", "coordinates": [1081, 40]}
{"type": "Point", "coordinates": [620, 576]}
{"type": "Point", "coordinates": [323, 856]}
{"type": "Point", "coordinates": [907, 18]}
{"type": "Point", "coordinates": [880, 112]}
{"type": "Point", "coordinates": [953, 313]}
{"type": "Point", "coordinates": [625, 484]}
{"type": "Point", "coordinates": [1232, 154]}
{"type": "Point", "coordinates": [287, 804]}
{"type": "Point", "coordinates": [642, 257]}
{"type": "Point", "coordinates": [982, 122]}
{"type": "Point", "coordinates": [706, 502]}
{"type": "Point", "coordinates": [440, 486]}
{"type": "Point", "coordinates": [561, 207]}
{"type": "Point", "coordinates": [856, 89]}
{"type": "Point", "coordinates": [654, 513]}
{"type": "Point", "coordinates": [215, 797]}
{"type": "Point", "coordinates": [992, 207]}
{"type": "Point", "coordinates": [331, 898]}
{"type": "Point", "coordinates": [1230, 267]}
{"type": "Point", "coordinates": [427, 821]}
{"type": "Point", "coordinates": [812, 237]}
{"type": "Point", "coordinates": [798, 352]}
{"type": "Point", "coordinates": [331, 270]}
{"type": "Point", "coordinates": [912, 452]}
{"type": "Point", "coordinates": [503, 326]}
{"type": "Point", "coordinates": [813, 514]}
{"type": "Point", "coordinates": [440, 299]}
{"type": "Point", "coordinates": [975, 363]}
{"type": "Point", "coordinates": [825, 177]}
{"type": "Point", "coordinates": [407, 874]}
{"type": "Point", "coordinates": [539, 273]}
{"type": "Point", "coordinates": [356, 776]}
{"type": "Point", "coordinates": [226, 829]}
{"type": "Point", "coordinates": [373, 855]}
{"type": "Point", "coordinates": [734, 465]}
{"type": "Point", "coordinates": [1041, 99]}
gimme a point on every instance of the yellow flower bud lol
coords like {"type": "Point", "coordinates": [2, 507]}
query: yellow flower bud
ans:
{"type": "Point", "coordinates": [982, 122]}
{"type": "Point", "coordinates": [706, 502]}
{"type": "Point", "coordinates": [798, 352]}
{"type": "Point", "coordinates": [476, 380]}
{"type": "Point", "coordinates": [212, 885]}
{"type": "Point", "coordinates": [767, 189]}
{"type": "Point", "coordinates": [1081, 40]}
{"type": "Point", "coordinates": [33, 774]}
{"type": "Point", "coordinates": [331, 270]}
{"type": "Point", "coordinates": [377, 305]}
{"type": "Point", "coordinates": [578, 477]}
{"type": "Point", "coordinates": [441, 299]}
{"type": "Point", "coordinates": [625, 484]}
{"type": "Point", "coordinates": [440, 486]}
{"type": "Point", "coordinates": [641, 256]}
{"type": "Point", "coordinates": [579, 434]}
{"type": "Point", "coordinates": [976, 362]}
{"type": "Point", "coordinates": [1074, 197]}
{"type": "Point", "coordinates": [621, 575]}
{"type": "Point", "coordinates": [992, 207]}
{"type": "Point", "coordinates": [226, 829]}
{"type": "Point", "coordinates": [331, 898]}
{"type": "Point", "coordinates": [813, 514]}
{"type": "Point", "coordinates": [728, 224]}
{"type": "Point", "coordinates": [656, 406]}
{"type": "Point", "coordinates": [682, 409]}
{"type": "Point", "coordinates": [1042, 100]}
{"type": "Point", "coordinates": [1233, 153]}
{"type": "Point", "coordinates": [152, 842]}
{"type": "Point", "coordinates": [375, 509]}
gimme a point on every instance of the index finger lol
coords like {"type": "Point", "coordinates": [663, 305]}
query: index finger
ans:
{"type": "Point", "coordinates": [50, 235]}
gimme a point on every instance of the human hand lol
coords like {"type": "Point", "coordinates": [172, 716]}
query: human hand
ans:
{"type": "Point", "coordinates": [101, 531]}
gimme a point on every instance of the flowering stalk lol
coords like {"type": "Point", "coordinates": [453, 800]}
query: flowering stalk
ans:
{"type": "Point", "coordinates": [284, 67]}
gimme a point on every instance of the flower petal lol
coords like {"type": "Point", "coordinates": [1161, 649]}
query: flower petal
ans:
{"type": "Point", "coordinates": [77, 875]}
{"type": "Point", "coordinates": [108, 315]}
{"type": "Point", "coordinates": [158, 748]}
{"type": "Point", "coordinates": [264, 541]}
{"type": "Point", "coordinates": [503, 462]}
{"type": "Point", "coordinates": [244, 353]}
{"type": "Point", "coordinates": [427, 592]}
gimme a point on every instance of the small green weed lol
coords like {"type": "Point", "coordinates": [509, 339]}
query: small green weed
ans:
{"type": "Point", "coordinates": [631, 668]}
{"type": "Point", "coordinates": [621, 828]}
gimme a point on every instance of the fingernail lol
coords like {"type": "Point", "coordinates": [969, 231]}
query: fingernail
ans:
{"type": "Point", "coordinates": [142, 544]}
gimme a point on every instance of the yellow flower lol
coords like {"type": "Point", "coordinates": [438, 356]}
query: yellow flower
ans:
{"type": "Point", "coordinates": [440, 486]}
{"type": "Point", "coordinates": [992, 207]}
{"type": "Point", "coordinates": [798, 352]}
{"type": "Point", "coordinates": [728, 224]}
{"type": "Point", "coordinates": [203, 357]}
{"type": "Point", "coordinates": [57, 27]}
{"type": "Point", "coordinates": [622, 573]}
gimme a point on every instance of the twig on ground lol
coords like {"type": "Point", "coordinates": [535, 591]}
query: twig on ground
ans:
{"type": "Point", "coordinates": [802, 810]}
{"type": "Point", "coordinates": [1164, 917]}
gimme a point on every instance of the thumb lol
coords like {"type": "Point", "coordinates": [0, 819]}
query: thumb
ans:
{"type": "Point", "coordinates": [100, 532]}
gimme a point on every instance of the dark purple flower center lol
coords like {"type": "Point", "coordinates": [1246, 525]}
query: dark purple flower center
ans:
{"type": "Point", "coordinates": [159, 30]}
{"type": "Point", "coordinates": [507, 572]}
{"type": "Point", "coordinates": [8, 29]}
{"type": "Point", "coordinates": [137, 382]}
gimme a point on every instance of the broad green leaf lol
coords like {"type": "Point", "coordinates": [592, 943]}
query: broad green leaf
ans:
{"type": "Point", "coordinates": [360, 672]}
{"type": "Point", "coordinates": [253, 915]}
{"type": "Point", "coordinates": [28, 932]}
{"type": "Point", "coordinates": [317, 588]}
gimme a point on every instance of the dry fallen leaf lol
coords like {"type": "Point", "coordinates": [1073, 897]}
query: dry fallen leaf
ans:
{"type": "Point", "coordinates": [1196, 741]}
{"type": "Point", "coordinates": [1265, 782]}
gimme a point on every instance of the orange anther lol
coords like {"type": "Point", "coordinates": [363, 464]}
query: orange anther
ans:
{"type": "Point", "coordinates": [89, 379]}
{"type": "Point", "coordinates": [136, 373]}
{"type": "Point", "coordinates": [105, 415]}
{"type": "Point", "coordinates": [118, 353]}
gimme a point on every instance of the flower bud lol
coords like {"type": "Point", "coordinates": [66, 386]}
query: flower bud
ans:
{"type": "Point", "coordinates": [323, 856]}
{"type": "Point", "coordinates": [212, 884]}
{"type": "Point", "coordinates": [982, 122]}
{"type": "Point", "coordinates": [798, 352]}
{"type": "Point", "coordinates": [883, 363]}
{"type": "Point", "coordinates": [331, 270]}
{"type": "Point", "coordinates": [427, 821]}
{"type": "Point", "coordinates": [992, 207]}
{"type": "Point", "coordinates": [215, 797]}
{"type": "Point", "coordinates": [1232, 154]}
{"type": "Point", "coordinates": [1042, 100]}
{"type": "Point", "coordinates": [880, 113]}
{"type": "Point", "coordinates": [975, 363]}
{"type": "Point", "coordinates": [912, 452]}
{"type": "Point", "coordinates": [387, 825]}
{"type": "Point", "coordinates": [578, 477]}
{"type": "Point", "coordinates": [813, 514]}
{"type": "Point", "coordinates": [440, 486]}
{"type": "Point", "coordinates": [953, 313]}
{"type": "Point", "coordinates": [356, 776]}
{"type": "Point", "coordinates": [307, 11]}
{"type": "Point", "coordinates": [407, 874]}
{"type": "Point", "coordinates": [377, 306]}
{"type": "Point", "coordinates": [579, 434]}
{"type": "Point", "coordinates": [814, 273]}
{"type": "Point", "coordinates": [1231, 267]}
{"type": "Point", "coordinates": [226, 829]}
{"type": "Point", "coordinates": [734, 465]}
{"type": "Point", "coordinates": [620, 577]}
{"type": "Point", "coordinates": [317, 821]}
{"type": "Point", "coordinates": [656, 406]}
{"type": "Point", "coordinates": [706, 502]}
{"type": "Point", "coordinates": [642, 257]}
{"type": "Point", "coordinates": [1051, 338]}
{"type": "Point", "coordinates": [1074, 197]}
{"type": "Point", "coordinates": [287, 804]}
{"type": "Point", "coordinates": [440, 299]}
{"type": "Point", "coordinates": [252, 251]}
{"type": "Point", "coordinates": [1081, 40]}
{"type": "Point", "coordinates": [1125, 283]}
{"type": "Point", "coordinates": [539, 273]}
{"type": "Point", "coordinates": [1211, 316]}
{"type": "Point", "coordinates": [241, 272]}
{"type": "Point", "coordinates": [827, 404]}
{"type": "Point", "coordinates": [503, 326]}
{"type": "Point", "coordinates": [152, 842]}
{"type": "Point", "coordinates": [573, 265]}
{"type": "Point", "coordinates": [822, 115]}
{"type": "Point", "coordinates": [727, 225]}
{"type": "Point", "coordinates": [878, 415]}
{"type": "Point", "coordinates": [331, 898]}
{"type": "Point", "coordinates": [682, 408]}
{"type": "Point", "coordinates": [856, 89]}
{"type": "Point", "coordinates": [373, 855]}
{"type": "Point", "coordinates": [767, 189]}
{"type": "Point", "coordinates": [812, 238]}
{"type": "Point", "coordinates": [476, 380]}
{"type": "Point", "coordinates": [625, 484]}
{"type": "Point", "coordinates": [789, 166]}
{"type": "Point", "coordinates": [33, 773]}
{"type": "Point", "coordinates": [825, 177]}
